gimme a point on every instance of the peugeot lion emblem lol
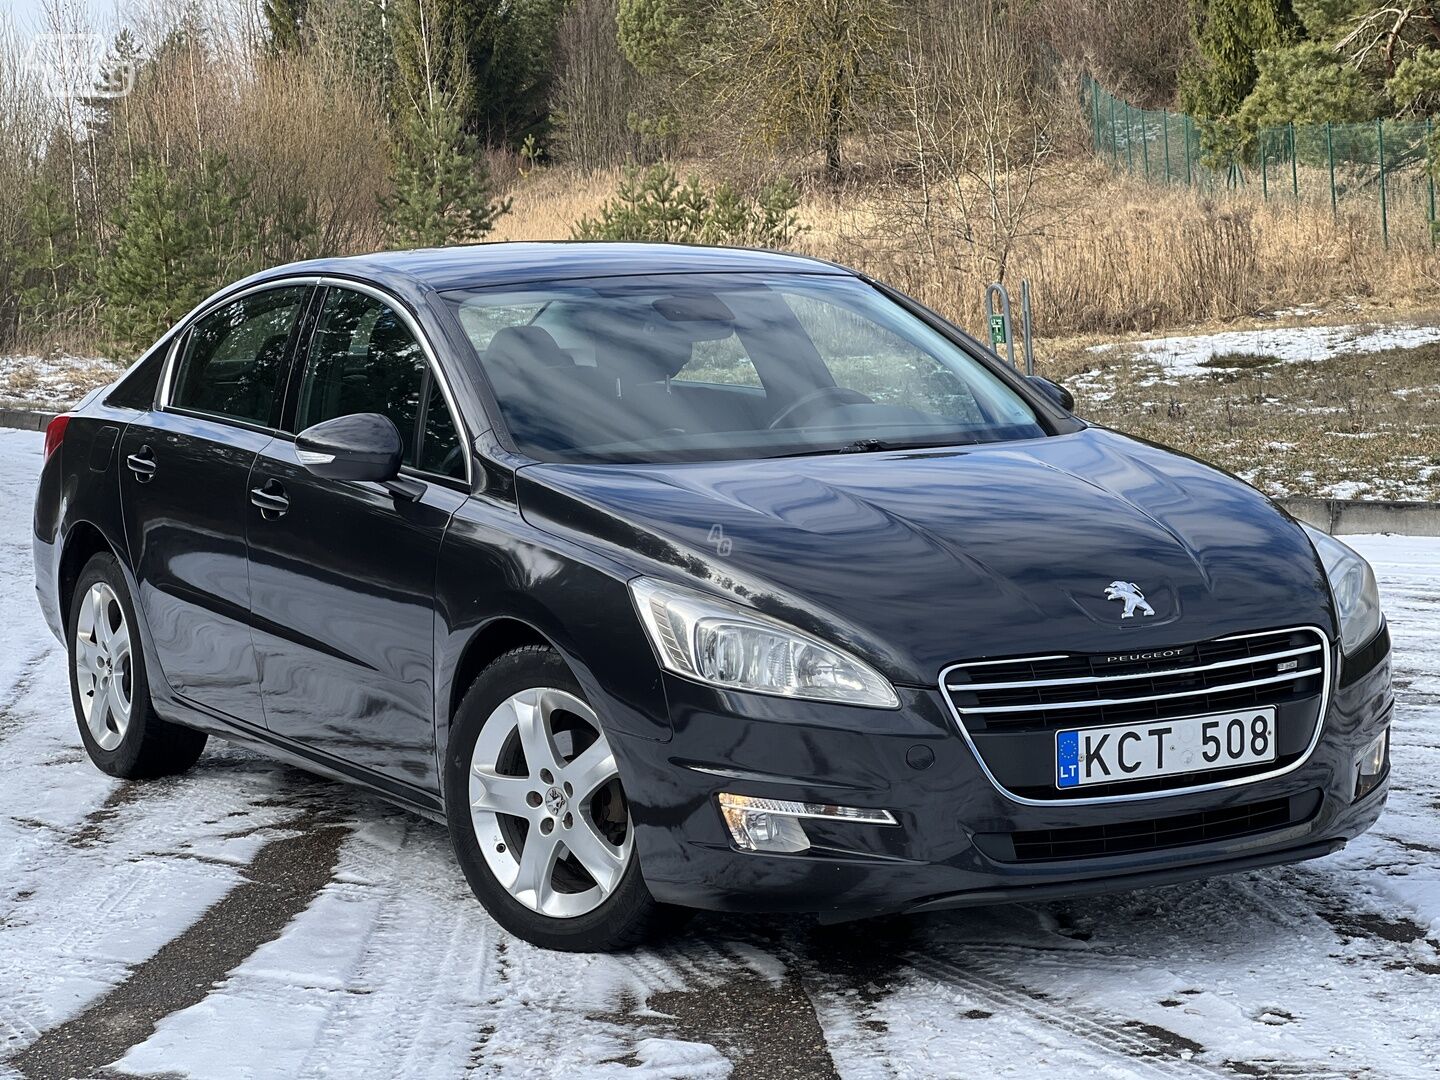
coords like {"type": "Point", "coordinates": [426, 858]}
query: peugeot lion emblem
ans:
{"type": "Point", "coordinates": [1133, 598]}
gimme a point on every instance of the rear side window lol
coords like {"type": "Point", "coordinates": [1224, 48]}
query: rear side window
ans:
{"type": "Point", "coordinates": [364, 359]}
{"type": "Point", "coordinates": [233, 357]}
{"type": "Point", "coordinates": [137, 387]}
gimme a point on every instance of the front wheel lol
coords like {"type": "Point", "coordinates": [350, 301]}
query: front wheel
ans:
{"type": "Point", "coordinates": [537, 814]}
{"type": "Point", "coordinates": [108, 685]}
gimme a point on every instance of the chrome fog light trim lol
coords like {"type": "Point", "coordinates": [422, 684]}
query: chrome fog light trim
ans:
{"type": "Point", "coordinates": [761, 824]}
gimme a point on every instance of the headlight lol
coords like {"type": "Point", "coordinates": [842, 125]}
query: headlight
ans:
{"type": "Point", "coordinates": [1352, 584]}
{"type": "Point", "coordinates": [735, 648]}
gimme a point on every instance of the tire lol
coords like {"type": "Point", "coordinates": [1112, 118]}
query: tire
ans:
{"type": "Point", "coordinates": [499, 801]}
{"type": "Point", "coordinates": [108, 686]}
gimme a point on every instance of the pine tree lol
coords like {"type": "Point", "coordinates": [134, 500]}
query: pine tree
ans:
{"type": "Point", "coordinates": [287, 22]}
{"type": "Point", "coordinates": [442, 188]}
{"type": "Point", "coordinates": [178, 237]}
{"type": "Point", "coordinates": [1229, 34]}
{"type": "Point", "coordinates": [52, 268]}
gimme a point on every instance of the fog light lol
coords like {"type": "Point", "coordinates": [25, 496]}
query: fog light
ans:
{"type": "Point", "coordinates": [758, 824]}
{"type": "Point", "coordinates": [1371, 764]}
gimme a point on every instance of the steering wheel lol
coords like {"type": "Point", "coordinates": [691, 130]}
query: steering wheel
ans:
{"type": "Point", "coordinates": [841, 395]}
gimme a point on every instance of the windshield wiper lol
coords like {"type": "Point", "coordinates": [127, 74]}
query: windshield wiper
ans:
{"type": "Point", "coordinates": [864, 446]}
{"type": "Point", "coordinates": [859, 446]}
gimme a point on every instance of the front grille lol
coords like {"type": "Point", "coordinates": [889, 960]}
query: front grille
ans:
{"type": "Point", "coordinates": [1010, 709]}
{"type": "Point", "coordinates": [1151, 834]}
{"type": "Point", "coordinates": [1054, 692]}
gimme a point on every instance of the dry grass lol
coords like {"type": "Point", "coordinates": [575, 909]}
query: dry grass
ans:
{"type": "Point", "coordinates": [1107, 254]}
{"type": "Point", "coordinates": [1363, 425]}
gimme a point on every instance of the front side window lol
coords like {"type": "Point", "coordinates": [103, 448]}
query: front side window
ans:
{"type": "Point", "coordinates": [364, 359]}
{"type": "Point", "coordinates": [233, 357]}
{"type": "Point", "coordinates": [681, 367]}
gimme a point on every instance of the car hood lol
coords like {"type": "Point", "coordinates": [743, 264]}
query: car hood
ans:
{"type": "Point", "coordinates": [919, 559]}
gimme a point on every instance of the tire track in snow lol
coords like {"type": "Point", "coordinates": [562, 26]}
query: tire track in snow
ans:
{"type": "Point", "coordinates": [13, 712]}
{"type": "Point", "coordinates": [281, 881]}
{"type": "Point", "coordinates": [1164, 1053]}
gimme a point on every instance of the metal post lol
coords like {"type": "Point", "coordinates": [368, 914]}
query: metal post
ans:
{"type": "Point", "coordinates": [1188, 177]}
{"type": "Point", "coordinates": [1145, 141]}
{"type": "Point", "coordinates": [1129, 142]}
{"type": "Point", "coordinates": [1165, 129]}
{"type": "Point", "coordinates": [1264, 167]}
{"type": "Point", "coordinates": [1294, 169]}
{"type": "Point", "coordinates": [1095, 114]}
{"type": "Point", "coordinates": [1330, 153]}
{"type": "Point", "coordinates": [999, 322]}
{"type": "Point", "coordinates": [1025, 326]}
{"type": "Point", "coordinates": [1432, 165]}
{"type": "Point", "coordinates": [1384, 209]}
{"type": "Point", "coordinates": [1114, 134]}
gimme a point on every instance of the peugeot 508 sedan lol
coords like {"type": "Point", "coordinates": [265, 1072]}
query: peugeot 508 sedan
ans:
{"type": "Point", "coordinates": [680, 577]}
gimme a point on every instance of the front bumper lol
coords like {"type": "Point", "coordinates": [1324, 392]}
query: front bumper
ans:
{"type": "Point", "coordinates": [949, 814]}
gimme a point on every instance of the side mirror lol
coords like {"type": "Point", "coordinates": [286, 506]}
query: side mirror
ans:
{"type": "Point", "coordinates": [363, 446]}
{"type": "Point", "coordinates": [1054, 391]}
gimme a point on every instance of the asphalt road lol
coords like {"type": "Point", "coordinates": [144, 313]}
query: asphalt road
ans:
{"type": "Point", "coordinates": [248, 920]}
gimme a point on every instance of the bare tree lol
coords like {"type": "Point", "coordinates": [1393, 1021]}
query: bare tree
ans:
{"type": "Point", "coordinates": [972, 132]}
{"type": "Point", "coordinates": [594, 89]}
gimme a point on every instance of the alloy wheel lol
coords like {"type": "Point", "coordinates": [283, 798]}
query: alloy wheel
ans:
{"type": "Point", "coordinates": [546, 803]}
{"type": "Point", "coordinates": [104, 666]}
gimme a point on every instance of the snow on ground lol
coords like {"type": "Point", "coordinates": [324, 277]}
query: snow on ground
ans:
{"type": "Point", "coordinates": [1196, 354]}
{"type": "Point", "coordinates": [54, 382]}
{"type": "Point", "coordinates": [1329, 969]}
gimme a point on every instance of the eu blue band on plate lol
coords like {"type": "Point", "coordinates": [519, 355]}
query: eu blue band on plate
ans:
{"type": "Point", "coordinates": [1067, 759]}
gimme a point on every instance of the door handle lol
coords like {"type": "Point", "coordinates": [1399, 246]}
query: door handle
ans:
{"type": "Point", "coordinates": [142, 464]}
{"type": "Point", "coordinates": [270, 498]}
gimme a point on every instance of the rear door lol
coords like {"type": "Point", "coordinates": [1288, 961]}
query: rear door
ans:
{"type": "Point", "coordinates": [183, 478]}
{"type": "Point", "coordinates": [343, 577]}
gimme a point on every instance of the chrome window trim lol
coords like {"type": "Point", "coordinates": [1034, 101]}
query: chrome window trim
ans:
{"type": "Point", "coordinates": [1327, 649]}
{"type": "Point", "coordinates": [437, 370]}
{"type": "Point", "coordinates": [167, 377]}
{"type": "Point", "coordinates": [183, 328]}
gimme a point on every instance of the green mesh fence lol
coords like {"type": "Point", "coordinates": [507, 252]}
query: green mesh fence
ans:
{"type": "Point", "coordinates": [1389, 163]}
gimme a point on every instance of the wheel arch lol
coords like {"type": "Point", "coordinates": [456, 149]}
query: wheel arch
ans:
{"type": "Point", "coordinates": [83, 541]}
{"type": "Point", "coordinates": [487, 644]}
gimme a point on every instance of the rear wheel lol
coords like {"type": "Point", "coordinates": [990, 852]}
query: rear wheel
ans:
{"type": "Point", "coordinates": [538, 814]}
{"type": "Point", "coordinates": [111, 695]}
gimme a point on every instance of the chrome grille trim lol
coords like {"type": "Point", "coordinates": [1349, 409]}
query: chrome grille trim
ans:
{"type": "Point", "coordinates": [1326, 672]}
{"type": "Point", "coordinates": [1095, 703]}
{"type": "Point", "coordinates": [1026, 684]}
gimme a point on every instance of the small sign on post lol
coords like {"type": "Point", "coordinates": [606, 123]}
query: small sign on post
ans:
{"type": "Point", "coordinates": [998, 334]}
{"type": "Point", "coordinates": [1001, 331]}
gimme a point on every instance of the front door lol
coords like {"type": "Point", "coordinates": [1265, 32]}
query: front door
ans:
{"type": "Point", "coordinates": [343, 577]}
{"type": "Point", "coordinates": [183, 480]}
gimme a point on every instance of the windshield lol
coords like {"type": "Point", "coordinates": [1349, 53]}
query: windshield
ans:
{"type": "Point", "coordinates": [686, 367]}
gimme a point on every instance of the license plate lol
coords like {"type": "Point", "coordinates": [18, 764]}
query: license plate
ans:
{"type": "Point", "coordinates": [1126, 752]}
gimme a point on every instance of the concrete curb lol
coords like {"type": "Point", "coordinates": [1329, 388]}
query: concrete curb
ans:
{"type": "Point", "coordinates": [25, 419]}
{"type": "Point", "coordinates": [1341, 517]}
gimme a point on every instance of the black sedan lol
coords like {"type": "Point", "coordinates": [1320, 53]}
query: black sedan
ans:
{"type": "Point", "coordinates": [678, 577]}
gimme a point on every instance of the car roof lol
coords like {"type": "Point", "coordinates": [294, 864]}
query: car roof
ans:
{"type": "Point", "coordinates": [478, 266]}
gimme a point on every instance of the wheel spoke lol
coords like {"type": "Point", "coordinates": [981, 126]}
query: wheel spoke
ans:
{"type": "Point", "coordinates": [86, 652]}
{"type": "Point", "coordinates": [533, 884]}
{"type": "Point", "coordinates": [119, 713]}
{"type": "Point", "coordinates": [499, 794]}
{"type": "Point", "coordinates": [100, 617]}
{"type": "Point", "coordinates": [119, 637]}
{"type": "Point", "coordinates": [532, 721]}
{"type": "Point", "coordinates": [590, 770]}
{"type": "Point", "coordinates": [602, 860]}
